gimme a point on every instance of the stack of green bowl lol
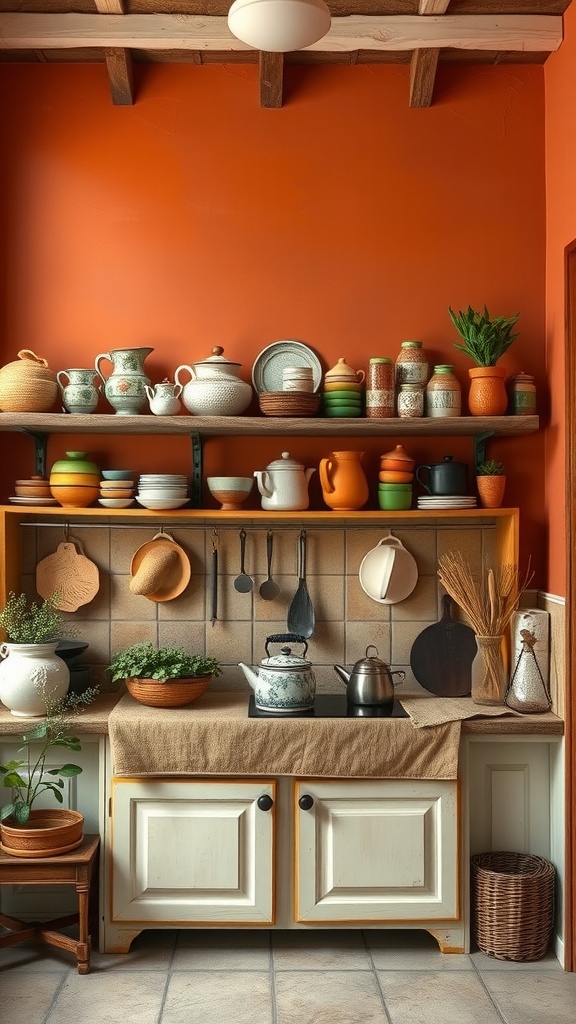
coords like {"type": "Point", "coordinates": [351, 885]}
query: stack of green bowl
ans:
{"type": "Point", "coordinates": [342, 398]}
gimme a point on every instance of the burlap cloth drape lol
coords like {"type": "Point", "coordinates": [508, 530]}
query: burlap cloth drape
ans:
{"type": "Point", "coordinates": [214, 736]}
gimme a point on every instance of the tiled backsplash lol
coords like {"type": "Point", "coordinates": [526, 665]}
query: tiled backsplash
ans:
{"type": "Point", "coordinates": [346, 619]}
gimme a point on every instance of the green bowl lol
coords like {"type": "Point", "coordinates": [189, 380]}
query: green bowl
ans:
{"type": "Point", "coordinates": [394, 488]}
{"type": "Point", "coordinates": [395, 502]}
{"type": "Point", "coordinates": [342, 396]}
{"type": "Point", "coordinates": [343, 411]}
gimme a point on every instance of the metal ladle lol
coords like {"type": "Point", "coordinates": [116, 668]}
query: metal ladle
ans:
{"type": "Point", "coordinates": [269, 590]}
{"type": "Point", "coordinates": [243, 583]}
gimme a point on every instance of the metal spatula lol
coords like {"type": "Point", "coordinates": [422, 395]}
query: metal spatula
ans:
{"type": "Point", "coordinates": [301, 619]}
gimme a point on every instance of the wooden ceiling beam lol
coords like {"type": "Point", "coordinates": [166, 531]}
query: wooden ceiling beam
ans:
{"type": "Point", "coordinates": [538, 33]}
{"type": "Point", "coordinates": [422, 76]}
{"type": "Point", "coordinates": [121, 76]}
{"type": "Point", "coordinates": [271, 67]}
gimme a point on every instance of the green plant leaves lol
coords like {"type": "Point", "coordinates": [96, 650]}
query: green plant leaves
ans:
{"type": "Point", "coordinates": [485, 338]}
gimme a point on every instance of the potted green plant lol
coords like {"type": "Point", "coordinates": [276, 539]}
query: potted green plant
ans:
{"type": "Point", "coordinates": [485, 339]}
{"type": "Point", "coordinates": [26, 831]}
{"type": "Point", "coordinates": [163, 676]}
{"type": "Point", "coordinates": [29, 654]}
{"type": "Point", "coordinates": [491, 482]}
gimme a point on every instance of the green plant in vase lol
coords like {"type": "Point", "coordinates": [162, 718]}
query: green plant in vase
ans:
{"type": "Point", "coordinates": [485, 339]}
{"type": "Point", "coordinates": [29, 654]}
{"type": "Point", "coordinates": [491, 483]}
{"type": "Point", "coordinates": [163, 676]}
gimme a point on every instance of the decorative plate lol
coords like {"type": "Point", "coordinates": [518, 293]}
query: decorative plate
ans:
{"type": "Point", "coordinates": [33, 501]}
{"type": "Point", "coordinates": [268, 366]}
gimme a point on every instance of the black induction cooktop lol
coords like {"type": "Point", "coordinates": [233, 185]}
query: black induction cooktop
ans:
{"type": "Point", "coordinates": [332, 705]}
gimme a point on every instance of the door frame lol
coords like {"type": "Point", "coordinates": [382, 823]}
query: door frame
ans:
{"type": "Point", "coordinates": [570, 608]}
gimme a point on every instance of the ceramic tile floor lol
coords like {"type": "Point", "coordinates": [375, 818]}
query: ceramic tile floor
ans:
{"type": "Point", "coordinates": [284, 977]}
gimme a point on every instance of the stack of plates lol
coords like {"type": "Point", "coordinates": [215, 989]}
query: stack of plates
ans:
{"type": "Point", "coordinates": [446, 501]}
{"type": "Point", "coordinates": [289, 403]}
{"type": "Point", "coordinates": [162, 490]}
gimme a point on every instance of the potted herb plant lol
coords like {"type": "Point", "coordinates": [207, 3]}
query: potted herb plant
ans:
{"type": "Point", "coordinates": [485, 339]}
{"type": "Point", "coordinates": [29, 655]}
{"type": "Point", "coordinates": [163, 677]}
{"type": "Point", "coordinates": [491, 482]}
{"type": "Point", "coordinates": [26, 831]}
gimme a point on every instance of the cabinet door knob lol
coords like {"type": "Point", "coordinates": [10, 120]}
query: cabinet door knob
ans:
{"type": "Point", "coordinates": [265, 802]}
{"type": "Point", "coordinates": [306, 802]}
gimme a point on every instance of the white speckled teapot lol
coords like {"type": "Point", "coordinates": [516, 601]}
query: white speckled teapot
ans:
{"type": "Point", "coordinates": [284, 484]}
{"type": "Point", "coordinates": [215, 388]}
{"type": "Point", "coordinates": [283, 682]}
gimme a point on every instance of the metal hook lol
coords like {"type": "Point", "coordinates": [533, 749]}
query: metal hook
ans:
{"type": "Point", "coordinates": [214, 539]}
{"type": "Point", "coordinates": [66, 532]}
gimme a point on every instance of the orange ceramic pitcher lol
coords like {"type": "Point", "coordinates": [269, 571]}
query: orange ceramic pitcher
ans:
{"type": "Point", "coordinates": [344, 485]}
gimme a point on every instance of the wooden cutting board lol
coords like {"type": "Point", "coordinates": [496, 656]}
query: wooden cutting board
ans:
{"type": "Point", "coordinates": [442, 655]}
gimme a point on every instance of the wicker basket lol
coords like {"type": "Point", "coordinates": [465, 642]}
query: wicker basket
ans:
{"type": "Point", "coordinates": [46, 834]}
{"type": "Point", "coordinates": [174, 693]}
{"type": "Point", "coordinates": [27, 384]}
{"type": "Point", "coordinates": [512, 896]}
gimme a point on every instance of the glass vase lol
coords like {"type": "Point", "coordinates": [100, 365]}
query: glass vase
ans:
{"type": "Point", "coordinates": [489, 677]}
{"type": "Point", "coordinates": [527, 691]}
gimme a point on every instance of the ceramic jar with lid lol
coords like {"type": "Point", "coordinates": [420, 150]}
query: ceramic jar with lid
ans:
{"type": "Point", "coordinates": [380, 388]}
{"type": "Point", "coordinates": [522, 391]}
{"type": "Point", "coordinates": [215, 388]}
{"type": "Point", "coordinates": [443, 393]}
{"type": "Point", "coordinates": [411, 364]}
{"type": "Point", "coordinates": [284, 485]}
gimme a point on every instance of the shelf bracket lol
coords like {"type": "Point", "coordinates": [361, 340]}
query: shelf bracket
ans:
{"type": "Point", "coordinates": [480, 447]}
{"type": "Point", "coordinates": [196, 470]}
{"type": "Point", "coordinates": [40, 446]}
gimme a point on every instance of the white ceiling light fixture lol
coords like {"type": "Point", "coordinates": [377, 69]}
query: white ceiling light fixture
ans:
{"type": "Point", "coordinates": [279, 26]}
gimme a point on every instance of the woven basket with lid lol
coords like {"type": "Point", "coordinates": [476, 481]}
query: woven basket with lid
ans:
{"type": "Point", "coordinates": [27, 384]}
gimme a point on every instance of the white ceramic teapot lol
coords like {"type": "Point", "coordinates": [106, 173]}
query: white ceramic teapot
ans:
{"type": "Point", "coordinates": [215, 388]}
{"type": "Point", "coordinates": [283, 682]}
{"type": "Point", "coordinates": [284, 484]}
{"type": "Point", "coordinates": [164, 398]}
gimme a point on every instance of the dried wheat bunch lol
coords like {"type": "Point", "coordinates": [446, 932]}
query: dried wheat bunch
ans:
{"type": "Point", "coordinates": [488, 598]}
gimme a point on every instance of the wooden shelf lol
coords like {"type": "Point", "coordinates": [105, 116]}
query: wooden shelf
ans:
{"type": "Point", "coordinates": [240, 426]}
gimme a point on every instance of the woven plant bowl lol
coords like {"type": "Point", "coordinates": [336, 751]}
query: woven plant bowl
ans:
{"type": "Point", "coordinates": [512, 905]}
{"type": "Point", "coordinates": [46, 834]}
{"type": "Point", "coordinates": [289, 403]}
{"type": "Point", "coordinates": [174, 693]}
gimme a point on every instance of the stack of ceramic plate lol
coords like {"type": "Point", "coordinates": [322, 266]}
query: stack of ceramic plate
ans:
{"type": "Point", "coordinates": [446, 501]}
{"type": "Point", "coordinates": [162, 490]}
{"type": "Point", "coordinates": [289, 403]}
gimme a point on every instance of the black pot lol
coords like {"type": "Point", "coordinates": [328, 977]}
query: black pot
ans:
{"type": "Point", "coordinates": [68, 649]}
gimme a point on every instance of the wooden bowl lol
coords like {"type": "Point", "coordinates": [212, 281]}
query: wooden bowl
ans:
{"type": "Point", "coordinates": [47, 832]}
{"type": "Point", "coordinates": [289, 403]}
{"type": "Point", "coordinates": [174, 693]}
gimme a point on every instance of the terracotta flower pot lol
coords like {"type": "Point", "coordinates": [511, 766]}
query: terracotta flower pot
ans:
{"type": "Point", "coordinates": [46, 833]}
{"type": "Point", "coordinates": [487, 395]}
{"type": "Point", "coordinates": [174, 693]}
{"type": "Point", "coordinates": [491, 490]}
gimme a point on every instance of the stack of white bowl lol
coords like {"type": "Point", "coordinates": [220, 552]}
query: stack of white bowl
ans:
{"type": "Point", "coordinates": [162, 490]}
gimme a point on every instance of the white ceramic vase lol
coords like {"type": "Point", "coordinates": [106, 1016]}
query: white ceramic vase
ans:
{"type": "Point", "coordinates": [27, 673]}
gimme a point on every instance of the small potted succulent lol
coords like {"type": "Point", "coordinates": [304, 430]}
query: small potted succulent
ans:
{"type": "Point", "coordinates": [491, 482]}
{"type": "Point", "coordinates": [163, 677]}
{"type": "Point", "coordinates": [26, 831]}
{"type": "Point", "coordinates": [29, 655]}
{"type": "Point", "coordinates": [485, 339]}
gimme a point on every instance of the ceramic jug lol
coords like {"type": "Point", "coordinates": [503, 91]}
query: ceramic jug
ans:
{"type": "Point", "coordinates": [164, 398]}
{"type": "Point", "coordinates": [78, 391]}
{"type": "Point", "coordinates": [215, 388]}
{"type": "Point", "coordinates": [344, 485]}
{"type": "Point", "coordinates": [125, 387]}
{"type": "Point", "coordinates": [446, 477]}
{"type": "Point", "coordinates": [284, 485]}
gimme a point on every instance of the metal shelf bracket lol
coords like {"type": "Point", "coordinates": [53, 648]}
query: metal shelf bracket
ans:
{"type": "Point", "coordinates": [196, 470]}
{"type": "Point", "coordinates": [480, 447]}
{"type": "Point", "coordinates": [40, 446]}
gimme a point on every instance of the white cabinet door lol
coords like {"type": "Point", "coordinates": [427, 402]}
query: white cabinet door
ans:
{"type": "Point", "coordinates": [376, 851]}
{"type": "Point", "coordinates": [186, 850]}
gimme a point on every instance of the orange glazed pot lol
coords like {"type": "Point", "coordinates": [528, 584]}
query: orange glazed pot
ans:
{"type": "Point", "coordinates": [487, 395]}
{"type": "Point", "coordinates": [491, 490]}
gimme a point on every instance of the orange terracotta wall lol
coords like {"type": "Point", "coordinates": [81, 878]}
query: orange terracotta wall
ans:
{"type": "Point", "coordinates": [560, 80]}
{"type": "Point", "coordinates": [345, 220]}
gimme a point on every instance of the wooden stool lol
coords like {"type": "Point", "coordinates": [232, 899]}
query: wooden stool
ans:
{"type": "Point", "coordinates": [74, 868]}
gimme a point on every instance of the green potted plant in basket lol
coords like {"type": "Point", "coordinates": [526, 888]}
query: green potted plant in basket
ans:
{"type": "Point", "coordinates": [26, 831]}
{"type": "Point", "coordinates": [163, 676]}
{"type": "Point", "coordinates": [485, 339]}
{"type": "Point", "coordinates": [33, 629]}
{"type": "Point", "coordinates": [490, 482]}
